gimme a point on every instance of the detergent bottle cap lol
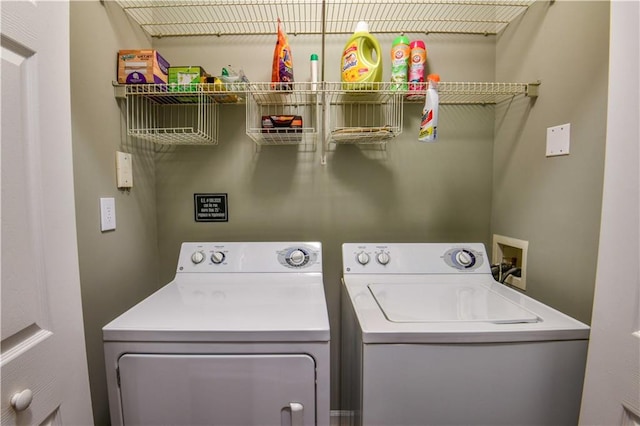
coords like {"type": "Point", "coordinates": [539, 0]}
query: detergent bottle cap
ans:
{"type": "Point", "coordinates": [362, 27]}
{"type": "Point", "coordinates": [434, 77]}
{"type": "Point", "coordinates": [314, 57]}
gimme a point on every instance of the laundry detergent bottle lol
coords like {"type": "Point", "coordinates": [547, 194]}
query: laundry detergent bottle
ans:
{"type": "Point", "coordinates": [361, 63]}
{"type": "Point", "coordinates": [400, 52]}
{"type": "Point", "coordinates": [416, 69]}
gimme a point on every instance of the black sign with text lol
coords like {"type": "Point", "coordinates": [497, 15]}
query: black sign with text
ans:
{"type": "Point", "coordinates": [211, 207]}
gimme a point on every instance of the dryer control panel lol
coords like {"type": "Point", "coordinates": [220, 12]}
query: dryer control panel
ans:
{"type": "Point", "coordinates": [414, 258]}
{"type": "Point", "coordinates": [239, 257]}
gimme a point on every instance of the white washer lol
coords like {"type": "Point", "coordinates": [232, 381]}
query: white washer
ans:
{"type": "Point", "coordinates": [239, 337]}
{"type": "Point", "coordinates": [430, 338]}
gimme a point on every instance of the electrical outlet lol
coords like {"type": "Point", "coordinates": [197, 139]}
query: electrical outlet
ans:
{"type": "Point", "coordinates": [514, 252]}
{"type": "Point", "coordinates": [107, 214]}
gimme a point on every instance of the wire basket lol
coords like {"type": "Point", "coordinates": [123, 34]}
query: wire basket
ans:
{"type": "Point", "coordinates": [282, 115]}
{"type": "Point", "coordinates": [172, 115]}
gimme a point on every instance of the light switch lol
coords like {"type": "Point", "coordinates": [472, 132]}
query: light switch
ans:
{"type": "Point", "coordinates": [124, 170]}
{"type": "Point", "coordinates": [558, 140]}
{"type": "Point", "coordinates": [107, 214]}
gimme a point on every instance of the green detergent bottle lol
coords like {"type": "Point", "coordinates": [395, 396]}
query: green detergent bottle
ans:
{"type": "Point", "coordinates": [361, 63]}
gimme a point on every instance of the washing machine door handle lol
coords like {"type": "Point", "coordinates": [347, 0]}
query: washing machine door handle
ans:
{"type": "Point", "coordinates": [297, 414]}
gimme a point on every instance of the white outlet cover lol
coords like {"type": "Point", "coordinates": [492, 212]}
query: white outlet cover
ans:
{"type": "Point", "coordinates": [107, 214]}
{"type": "Point", "coordinates": [558, 140]}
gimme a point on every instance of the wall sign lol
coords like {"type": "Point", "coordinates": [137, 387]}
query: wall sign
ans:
{"type": "Point", "coordinates": [211, 207]}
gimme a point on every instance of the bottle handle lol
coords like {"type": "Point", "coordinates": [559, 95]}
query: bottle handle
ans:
{"type": "Point", "coordinates": [371, 46]}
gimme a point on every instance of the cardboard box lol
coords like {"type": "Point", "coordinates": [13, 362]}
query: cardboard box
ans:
{"type": "Point", "coordinates": [184, 77]}
{"type": "Point", "coordinates": [142, 66]}
{"type": "Point", "coordinates": [281, 124]}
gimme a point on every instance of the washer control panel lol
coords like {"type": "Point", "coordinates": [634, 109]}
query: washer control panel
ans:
{"type": "Point", "coordinates": [250, 257]}
{"type": "Point", "coordinates": [381, 256]}
{"type": "Point", "coordinates": [414, 258]}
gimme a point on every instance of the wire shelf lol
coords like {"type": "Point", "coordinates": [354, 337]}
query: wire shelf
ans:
{"type": "Point", "coordinates": [462, 93]}
{"type": "Point", "coordinates": [170, 18]}
{"type": "Point", "coordinates": [188, 114]}
{"type": "Point", "coordinates": [425, 16]}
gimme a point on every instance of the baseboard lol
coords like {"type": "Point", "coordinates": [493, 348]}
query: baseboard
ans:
{"type": "Point", "coordinates": [341, 418]}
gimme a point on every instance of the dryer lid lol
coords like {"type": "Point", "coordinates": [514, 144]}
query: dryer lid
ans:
{"type": "Point", "coordinates": [231, 307]}
{"type": "Point", "coordinates": [446, 302]}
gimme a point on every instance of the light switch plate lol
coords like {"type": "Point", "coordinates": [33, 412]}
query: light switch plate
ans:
{"type": "Point", "coordinates": [124, 170]}
{"type": "Point", "coordinates": [558, 140]}
{"type": "Point", "coordinates": [107, 214]}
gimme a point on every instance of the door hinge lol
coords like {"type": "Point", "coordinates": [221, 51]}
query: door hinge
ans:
{"type": "Point", "coordinates": [118, 376]}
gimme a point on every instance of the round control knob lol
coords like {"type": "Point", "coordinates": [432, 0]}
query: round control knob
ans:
{"type": "Point", "coordinates": [297, 257]}
{"type": "Point", "coordinates": [362, 258]}
{"type": "Point", "coordinates": [197, 257]}
{"type": "Point", "coordinates": [20, 401]}
{"type": "Point", "coordinates": [464, 258]}
{"type": "Point", "coordinates": [383, 258]}
{"type": "Point", "coordinates": [217, 257]}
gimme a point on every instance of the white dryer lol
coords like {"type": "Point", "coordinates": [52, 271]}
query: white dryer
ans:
{"type": "Point", "coordinates": [430, 338]}
{"type": "Point", "coordinates": [239, 337]}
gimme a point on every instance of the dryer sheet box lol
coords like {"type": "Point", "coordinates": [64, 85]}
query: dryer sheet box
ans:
{"type": "Point", "coordinates": [142, 66]}
{"type": "Point", "coordinates": [186, 78]}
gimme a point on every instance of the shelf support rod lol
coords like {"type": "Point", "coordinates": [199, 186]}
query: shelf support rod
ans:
{"type": "Point", "coordinates": [323, 95]}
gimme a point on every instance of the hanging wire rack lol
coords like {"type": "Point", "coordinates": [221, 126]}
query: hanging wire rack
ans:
{"type": "Point", "coordinates": [172, 115]}
{"type": "Point", "coordinates": [294, 106]}
{"type": "Point", "coordinates": [371, 114]}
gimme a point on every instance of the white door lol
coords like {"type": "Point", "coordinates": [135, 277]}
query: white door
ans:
{"type": "Point", "coordinates": [612, 384]}
{"type": "Point", "coordinates": [230, 390]}
{"type": "Point", "coordinates": [43, 361]}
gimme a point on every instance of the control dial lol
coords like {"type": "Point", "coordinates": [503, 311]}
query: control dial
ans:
{"type": "Point", "coordinates": [362, 258]}
{"type": "Point", "coordinates": [217, 257]}
{"type": "Point", "coordinates": [383, 258]}
{"type": "Point", "coordinates": [197, 257]}
{"type": "Point", "coordinates": [297, 258]}
{"type": "Point", "coordinates": [464, 258]}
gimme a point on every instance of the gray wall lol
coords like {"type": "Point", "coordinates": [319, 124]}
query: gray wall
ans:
{"type": "Point", "coordinates": [411, 192]}
{"type": "Point", "coordinates": [555, 202]}
{"type": "Point", "coordinates": [463, 188]}
{"type": "Point", "coordinates": [117, 268]}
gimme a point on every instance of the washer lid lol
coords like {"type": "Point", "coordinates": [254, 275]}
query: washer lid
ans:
{"type": "Point", "coordinates": [447, 302]}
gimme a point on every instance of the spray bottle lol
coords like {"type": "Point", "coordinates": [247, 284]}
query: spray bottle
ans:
{"type": "Point", "coordinates": [429, 121]}
{"type": "Point", "coordinates": [314, 71]}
